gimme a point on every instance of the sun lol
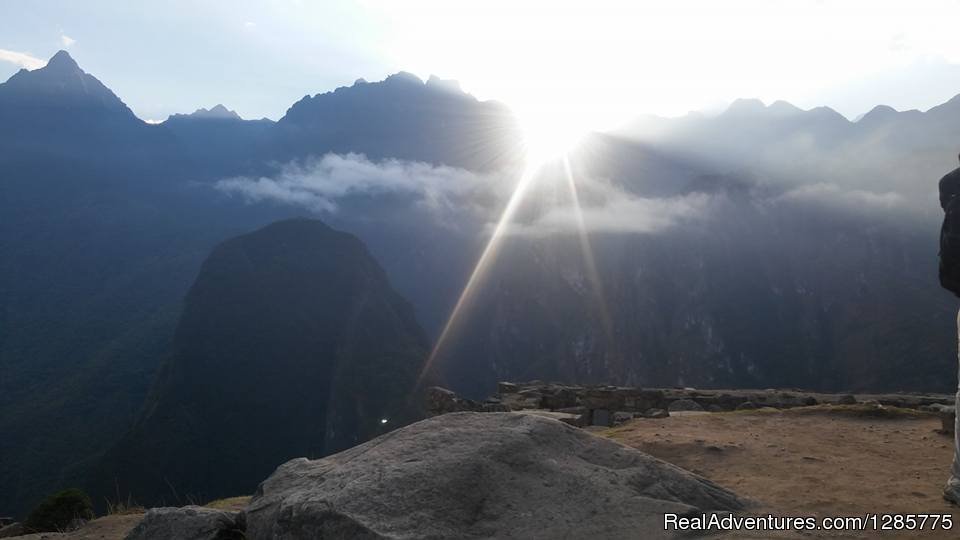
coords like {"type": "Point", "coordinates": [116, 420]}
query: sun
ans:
{"type": "Point", "coordinates": [548, 135]}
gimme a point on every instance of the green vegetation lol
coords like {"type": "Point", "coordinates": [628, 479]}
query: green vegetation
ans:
{"type": "Point", "coordinates": [58, 511]}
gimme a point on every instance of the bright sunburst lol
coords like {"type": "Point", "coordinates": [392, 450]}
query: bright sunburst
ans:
{"type": "Point", "coordinates": [548, 135]}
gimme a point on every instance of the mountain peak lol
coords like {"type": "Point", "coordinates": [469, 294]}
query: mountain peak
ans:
{"type": "Point", "coordinates": [745, 106]}
{"type": "Point", "coordinates": [217, 112]}
{"type": "Point", "coordinates": [827, 113]}
{"type": "Point", "coordinates": [784, 107]}
{"type": "Point", "coordinates": [448, 85]}
{"type": "Point", "coordinates": [315, 274]}
{"type": "Point", "coordinates": [62, 61]}
{"type": "Point", "coordinates": [60, 84]}
{"type": "Point", "coordinates": [878, 113]}
{"type": "Point", "coordinates": [404, 77]}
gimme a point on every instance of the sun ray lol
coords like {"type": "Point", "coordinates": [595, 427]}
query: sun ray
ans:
{"type": "Point", "coordinates": [483, 263]}
{"type": "Point", "coordinates": [593, 276]}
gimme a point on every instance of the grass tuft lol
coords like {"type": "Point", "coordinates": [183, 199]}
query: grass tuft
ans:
{"type": "Point", "coordinates": [231, 503]}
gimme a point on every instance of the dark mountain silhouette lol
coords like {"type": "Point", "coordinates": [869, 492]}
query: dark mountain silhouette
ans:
{"type": "Point", "coordinates": [61, 85]}
{"type": "Point", "coordinates": [403, 117]}
{"type": "Point", "coordinates": [60, 111]}
{"type": "Point", "coordinates": [217, 112]}
{"type": "Point", "coordinates": [217, 142]}
{"type": "Point", "coordinates": [291, 343]}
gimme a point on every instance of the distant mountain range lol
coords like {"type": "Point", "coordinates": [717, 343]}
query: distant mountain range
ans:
{"type": "Point", "coordinates": [765, 246]}
{"type": "Point", "coordinates": [217, 112]}
{"type": "Point", "coordinates": [884, 150]}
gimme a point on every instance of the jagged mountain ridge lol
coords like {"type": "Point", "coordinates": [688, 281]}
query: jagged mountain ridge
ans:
{"type": "Point", "coordinates": [884, 150]}
{"type": "Point", "coordinates": [217, 112]}
{"type": "Point", "coordinates": [406, 118]}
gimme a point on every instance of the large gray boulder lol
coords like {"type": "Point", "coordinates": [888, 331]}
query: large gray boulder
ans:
{"type": "Point", "coordinates": [481, 475]}
{"type": "Point", "coordinates": [189, 523]}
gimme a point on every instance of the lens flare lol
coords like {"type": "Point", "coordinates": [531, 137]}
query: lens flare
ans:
{"type": "Point", "coordinates": [485, 261]}
{"type": "Point", "coordinates": [589, 261]}
{"type": "Point", "coordinates": [544, 144]}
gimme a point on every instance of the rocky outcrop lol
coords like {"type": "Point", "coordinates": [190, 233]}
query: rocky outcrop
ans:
{"type": "Point", "coordinates": [471, 475]}
{"type": "Point", "coordinates": [189, 523]}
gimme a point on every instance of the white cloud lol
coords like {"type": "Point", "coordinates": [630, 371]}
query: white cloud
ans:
{"type": "Point", "coordinates": [321, 184]}
{"type": "Point", "coordinates": [249, 24]}
{"type": "Point", "coordinates": [317, 184]}
{"type": "Point", "coordinates": [833, 195]}
{"type": "Point", "coordinates": [626, 215]}
{"type": "Point", "coordinates": [21, 59]}
{"type": "Point", "coordinates": [67, 41]}
{"type": "Point", "coordinates": [605, 208]}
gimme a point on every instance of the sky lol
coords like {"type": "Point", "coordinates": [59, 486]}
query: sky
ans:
{"type": "Point", "coordinates": [596, 62]}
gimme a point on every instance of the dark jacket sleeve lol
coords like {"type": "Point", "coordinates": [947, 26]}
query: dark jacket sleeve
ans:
{"type": "Point", "coordinates": [949, 187]}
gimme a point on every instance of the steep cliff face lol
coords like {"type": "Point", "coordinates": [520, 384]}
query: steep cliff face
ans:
{"type": "Point", "coordinates": [755, 296]}
{"type": "Point", "coordinates": [291, 343]}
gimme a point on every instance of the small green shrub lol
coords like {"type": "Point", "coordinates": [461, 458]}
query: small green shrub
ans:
{"type": "Point", "coordinates": [58, 511]}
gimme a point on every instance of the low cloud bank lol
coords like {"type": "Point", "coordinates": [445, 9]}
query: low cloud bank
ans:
{"type": "Point", "coordinates": [320, 183]}
{"type": "Point", "coordinates": [627, 215]}
{"type": "Point", "coordinates": [833, 195]}
{"type": "Point", "coordinates": [605, 208]}
{"type": "Point", "coordinates": [451, 196]}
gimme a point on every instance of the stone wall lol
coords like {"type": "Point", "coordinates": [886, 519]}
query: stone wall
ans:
{"type": "Point", "coordinates": [611, 405]}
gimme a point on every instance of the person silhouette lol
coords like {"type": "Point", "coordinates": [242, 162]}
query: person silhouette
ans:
{"type": "Point", "coordinates": [949, 190]}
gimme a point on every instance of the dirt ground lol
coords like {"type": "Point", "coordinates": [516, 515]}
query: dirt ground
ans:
{"type": "Point", "coordinates": [811, 461]}
{"type": "Point", "coordinates": [113, 527]}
